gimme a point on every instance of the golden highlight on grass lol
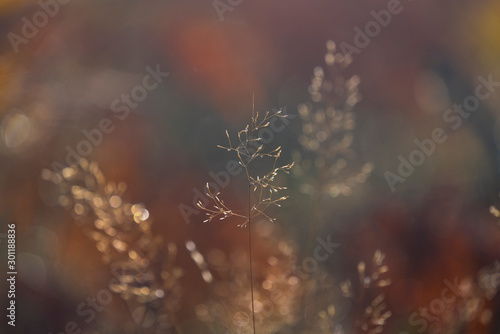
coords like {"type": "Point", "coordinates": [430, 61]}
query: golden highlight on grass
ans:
{"type": "Point", "coordinates": [327, 135]}
{"type": "Point", "coordinates": [277, 287]}
{"type": "Point", "coordinates": [122, 233]}
{"type": "Point", "coordinates": [371, 278]}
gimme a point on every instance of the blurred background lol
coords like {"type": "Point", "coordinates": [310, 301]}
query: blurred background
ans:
{"type": "Point", "coordinates": [67, 70]}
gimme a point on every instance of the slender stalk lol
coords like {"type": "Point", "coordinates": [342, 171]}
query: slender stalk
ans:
{"type": "Point", "coordinates": [250, 251]}
{"type": "Point", "coordinates": [249, 222]}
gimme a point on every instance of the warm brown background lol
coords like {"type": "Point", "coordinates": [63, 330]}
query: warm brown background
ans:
{"type": "Point", "coordinates": [436, 225]}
